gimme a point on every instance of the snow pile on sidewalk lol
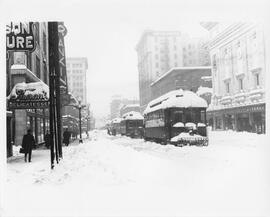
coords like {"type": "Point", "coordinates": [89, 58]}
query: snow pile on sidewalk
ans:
{"type": "Point", "coordinates": [120, 176]}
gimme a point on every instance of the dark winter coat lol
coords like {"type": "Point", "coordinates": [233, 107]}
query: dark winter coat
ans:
{"type": "Point", "coordinates": [28, 142]}
{"type": "Point", "coordinates": [47, 140]}
{"type": "Point", "coordinates": [66, 136]}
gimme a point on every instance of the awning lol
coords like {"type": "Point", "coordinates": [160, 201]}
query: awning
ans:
{"type": "Point", "coordinates": [33, 95]}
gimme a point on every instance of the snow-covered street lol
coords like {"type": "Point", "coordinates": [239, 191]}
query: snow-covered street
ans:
{"type": "Point", "coordinates": [120, 176]}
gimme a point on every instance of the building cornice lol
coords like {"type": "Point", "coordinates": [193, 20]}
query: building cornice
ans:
{"type": "Point", "coordinates": [231, 33]}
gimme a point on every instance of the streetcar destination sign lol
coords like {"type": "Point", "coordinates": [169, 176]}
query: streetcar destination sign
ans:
{"type": "Point", "coordinates": [20, 36]}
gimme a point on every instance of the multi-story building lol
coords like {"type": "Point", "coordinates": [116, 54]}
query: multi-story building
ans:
{"type": "Point", "coordinates": [28, 67]}
{"type": "Point", "coordinates": [238, 59]}
{"type": "Point", "coordinates": [160, 51]}
{"type": "Point", "coordinates": [119, 105]}
{"type": "Point", "coordinates": [76, 76]}
{"type": "Point", "coordinates": [195, 52]}
{"type": "Point", "coordinates": [186, 78]}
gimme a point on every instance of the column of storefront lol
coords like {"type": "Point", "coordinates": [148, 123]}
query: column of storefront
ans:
{"type": "Point", "coordinates": [19, 115]}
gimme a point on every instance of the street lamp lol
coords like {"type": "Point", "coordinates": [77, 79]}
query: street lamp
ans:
{"type": "Point", "coordinates": [80, 106]}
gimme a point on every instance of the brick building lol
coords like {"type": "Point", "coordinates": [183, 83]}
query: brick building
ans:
{"type": "Point", "coordinates": [186, 78]}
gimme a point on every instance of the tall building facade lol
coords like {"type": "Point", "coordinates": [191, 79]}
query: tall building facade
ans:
{"type": "Point", "coordinates": [160, 51]}
{"type": "Point", "coordinates": [28, 67]}
{"type": "Point", "coordinates": [195, 52]}
{"type": "Point", "coordinates": [238, 60]}
{"type": "Point", "coordinates": [76, 76]}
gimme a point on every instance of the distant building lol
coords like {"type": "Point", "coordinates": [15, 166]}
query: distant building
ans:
{"type": "Point", "coordinates": [186, 78]}
{"type": "Point", "coordinates": [160, 51]}
{"type": "Point", "coordinates": [238, 59]}
{"type": "Point", "coordinates": [195, 52]}
{"type": "Point", "coordinates": [76, 76]}
{"type": "Point", "coordinates": [115, 106]}
{"type": "Point", "coordinates": [118, 104]}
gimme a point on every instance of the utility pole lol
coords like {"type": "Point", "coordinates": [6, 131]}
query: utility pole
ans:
{"type": "Point", "coordinates": [55, 125]}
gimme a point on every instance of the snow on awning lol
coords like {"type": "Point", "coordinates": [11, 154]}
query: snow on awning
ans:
{"type": "Point", "coordinates": [29, 95]}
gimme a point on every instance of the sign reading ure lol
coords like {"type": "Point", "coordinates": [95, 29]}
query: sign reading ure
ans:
{"type": "Point", "coordinates": [20, 36]}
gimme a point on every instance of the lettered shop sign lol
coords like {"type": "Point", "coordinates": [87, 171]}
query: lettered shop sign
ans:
{"type": "Point", "coordinates": [20, 36]}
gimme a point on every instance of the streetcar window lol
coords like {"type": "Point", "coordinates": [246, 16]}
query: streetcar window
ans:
{"type": "Point", "coordinates": [203, 116]}
{"type": "Point", "coordinates": [178, 116]}
{"type": "Point", "coordinates": [131, 124]}
{"type": "Point", "coordinates": [188, 116]}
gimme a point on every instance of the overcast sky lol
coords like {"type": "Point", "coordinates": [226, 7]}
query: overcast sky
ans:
{"type": "Point", "coordinates": [106, 32]}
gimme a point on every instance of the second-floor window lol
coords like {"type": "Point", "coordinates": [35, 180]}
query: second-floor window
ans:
{"type": "Point", "coordinates": [257, 79]}
{"type": "Point", "coordinates": [240, 83]}
{"type": "Point", "coordinates": [227, 87]}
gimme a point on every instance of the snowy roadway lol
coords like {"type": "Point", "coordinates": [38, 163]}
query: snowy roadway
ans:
{"type": "Point", "coordinates": [119, 176]}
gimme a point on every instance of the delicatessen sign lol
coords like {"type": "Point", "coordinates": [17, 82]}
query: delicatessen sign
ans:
{"type": "Point", "coordinates": [29, 95]}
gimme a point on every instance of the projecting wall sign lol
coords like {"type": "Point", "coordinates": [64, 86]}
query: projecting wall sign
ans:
{"type": "Point", "coordinates": [20, 37]}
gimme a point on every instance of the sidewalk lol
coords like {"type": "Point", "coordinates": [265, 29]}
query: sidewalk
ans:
{"type": "Point", "coordinates": [19, 156]}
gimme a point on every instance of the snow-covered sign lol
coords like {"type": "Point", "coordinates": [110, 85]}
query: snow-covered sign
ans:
{"type": "Point", "coordinates": [29, 95]}
{"type": "Point", "coordinates": [20, 36]}
{"type": "Point", "coordinates": [132, 115]}
{"type": "Point", "coordinates": [176, 99]}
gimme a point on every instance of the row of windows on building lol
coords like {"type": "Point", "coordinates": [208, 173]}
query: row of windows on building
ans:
{"type": "Point", "coordinates": [74, 71]}
{"type": "Point", "coordinates": [75, 65]}
{"type": "Point", "coordinates": [256, 83]}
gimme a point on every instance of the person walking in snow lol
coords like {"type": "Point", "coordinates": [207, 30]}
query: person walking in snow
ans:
{"type": "Point", "coordinates": [47, 139]}
{"type": "Point", "coordinates": [66, 138]}
{"type": "Point", "coordinates": [28, 144]}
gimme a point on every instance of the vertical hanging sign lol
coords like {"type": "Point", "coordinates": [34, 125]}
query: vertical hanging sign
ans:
{"type": "Point", "coordinates": [20, 37]}
{"type": "Point", "coordinates": [62, 31]}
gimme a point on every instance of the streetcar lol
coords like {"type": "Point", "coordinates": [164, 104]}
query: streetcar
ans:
{"type": "Point", "coordinates": [177, 117]}
{"type": "Point", "coordinates": [132, 124]}
{"type": "Point", "coordinates": [115, 126]}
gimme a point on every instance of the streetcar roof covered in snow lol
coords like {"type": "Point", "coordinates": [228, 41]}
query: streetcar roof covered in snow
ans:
{"type": "Point", "coordinates": [176, 99]}
{"type": "Point", "coordinates": [132, 115]}
{"type": "Point", "coordinates": [116, 120]}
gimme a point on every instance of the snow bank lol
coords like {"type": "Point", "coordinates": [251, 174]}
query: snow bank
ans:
{"type": "Point", "coordinates": [120, 176]}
